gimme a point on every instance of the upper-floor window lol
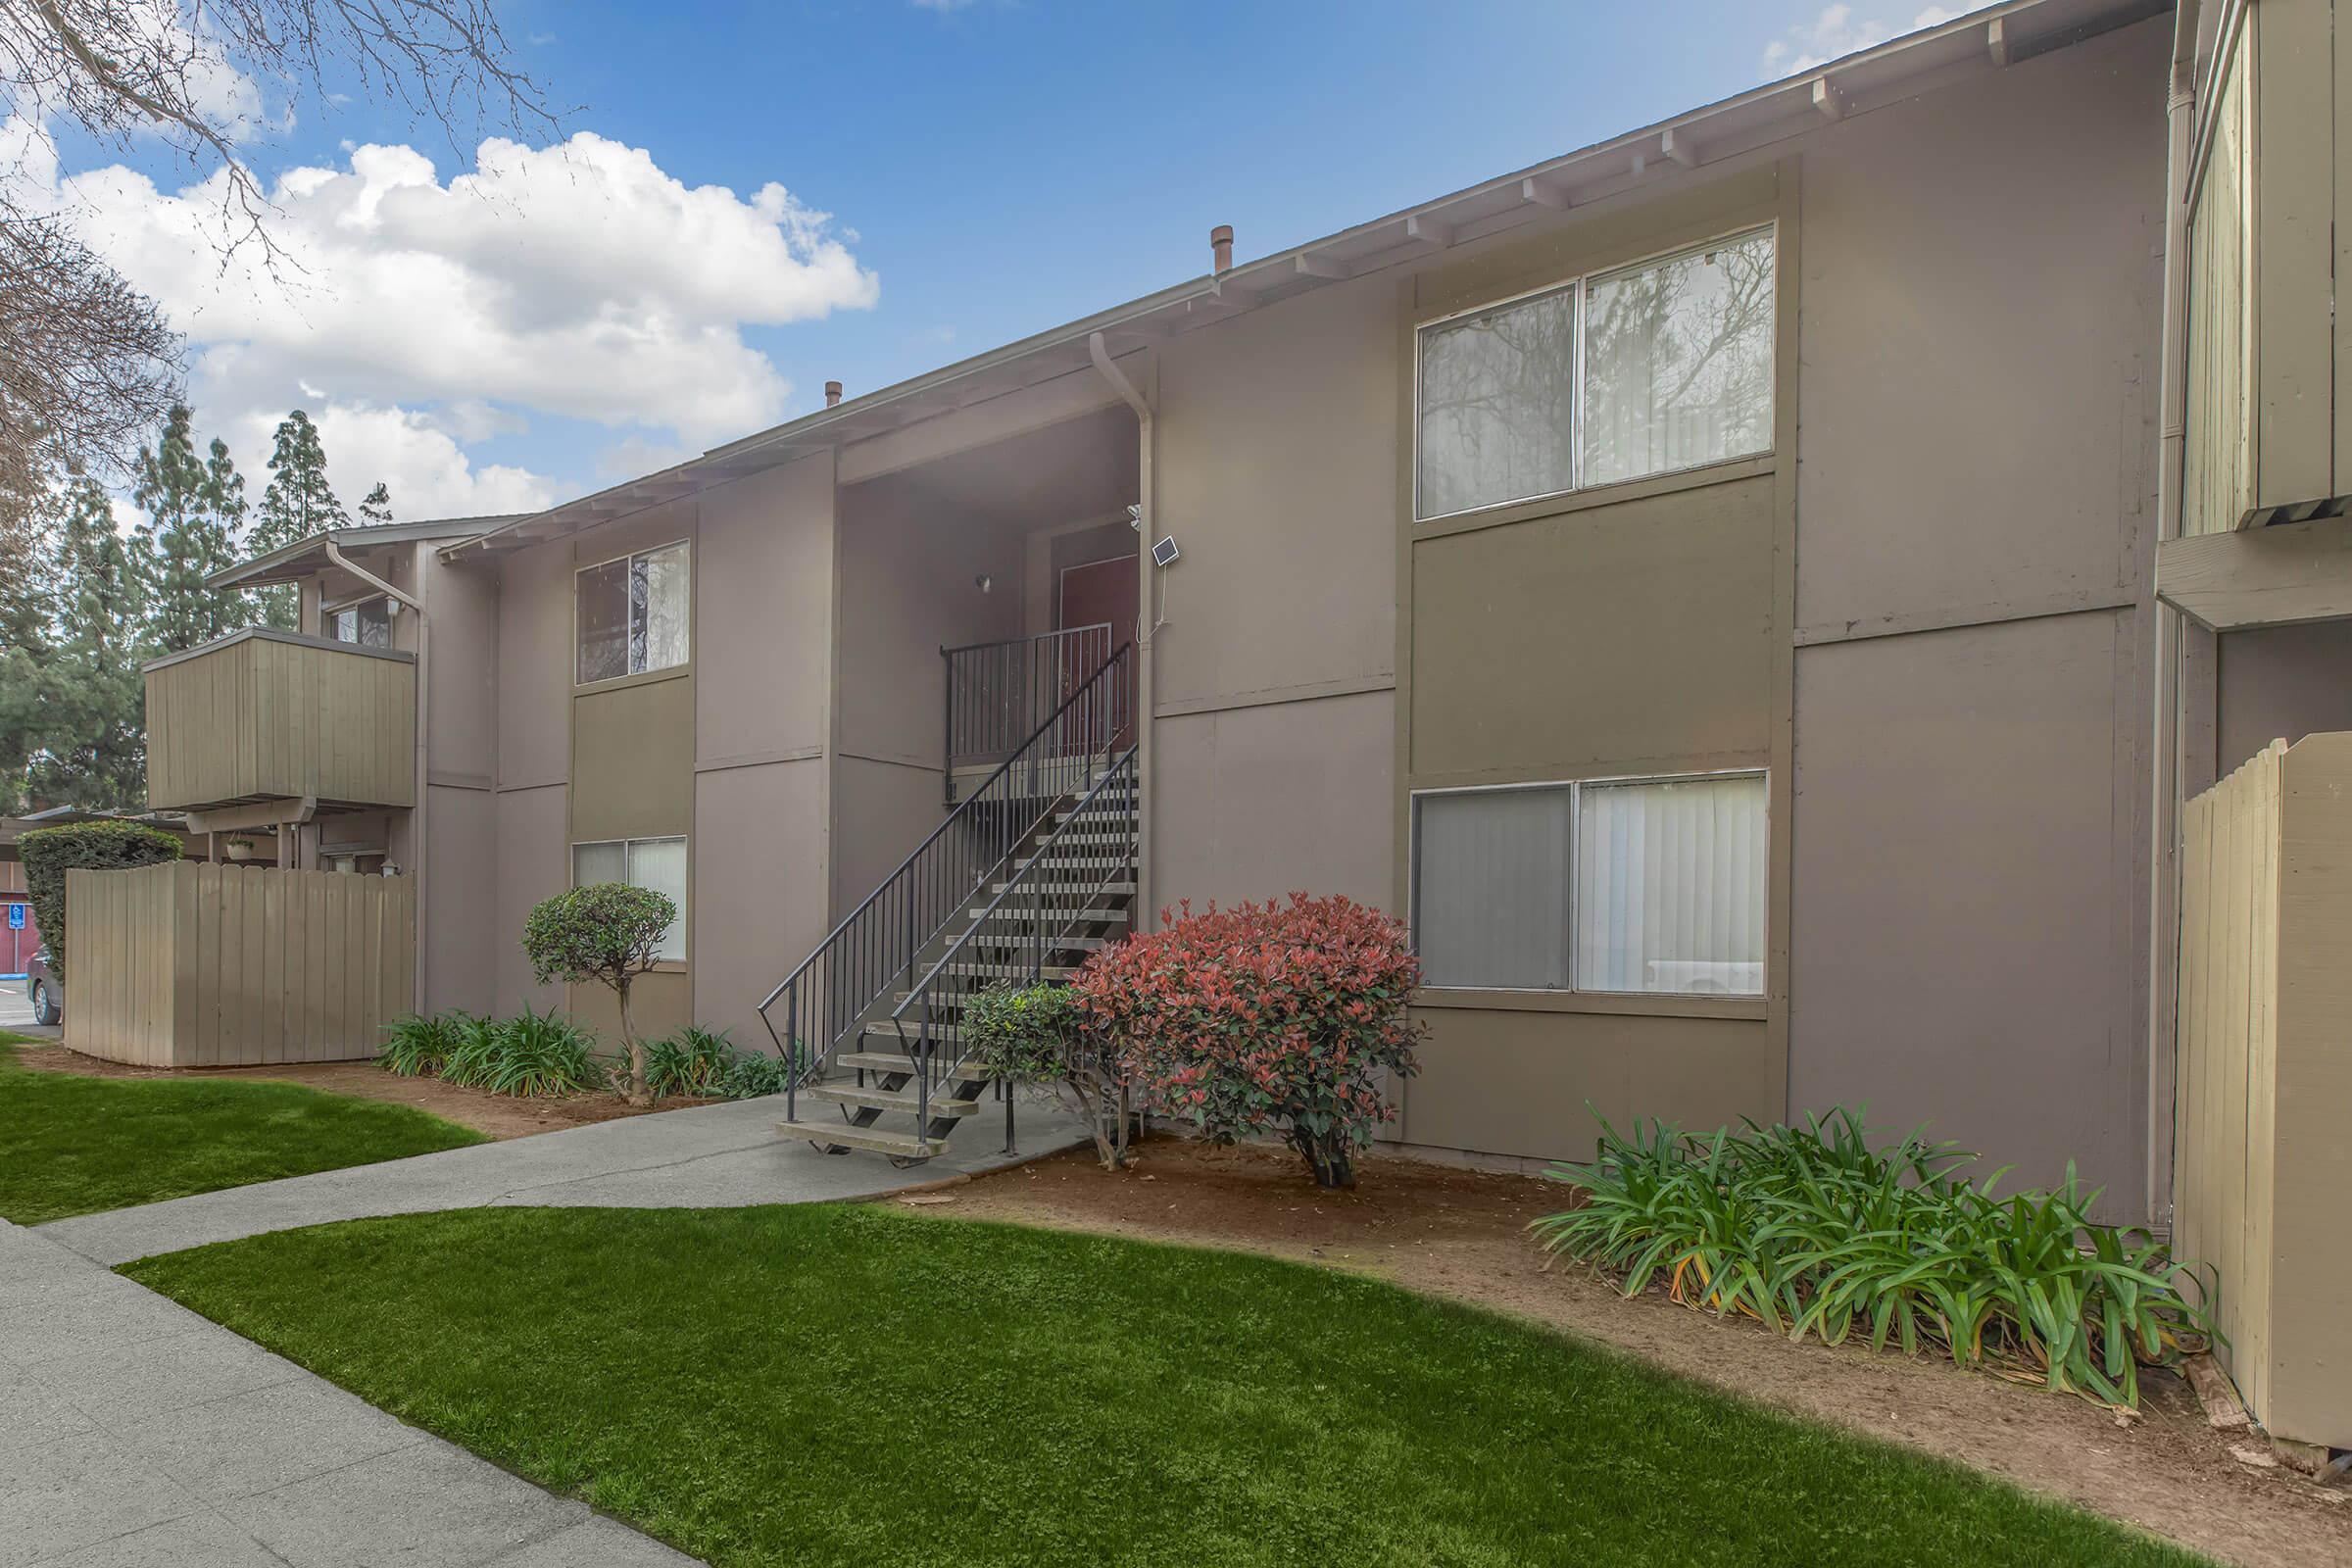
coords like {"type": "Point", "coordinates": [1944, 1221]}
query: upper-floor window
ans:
{"type": "Point", "coordinates": [631, 613]}
{"type": "Point", "coordinates": [1653, 367]}
{"type": "Point", "coordinates": [368, 624]}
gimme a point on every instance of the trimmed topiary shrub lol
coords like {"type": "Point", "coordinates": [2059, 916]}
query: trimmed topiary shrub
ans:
{"type": "Point", "coordinates": [607, 933]}
{"type": "Point", "coordinates": [51, 852]}
{"type": "Point", "coordinates": [1042, 1035]}
{"type": "Point", "coordinates": [1272, 1018]}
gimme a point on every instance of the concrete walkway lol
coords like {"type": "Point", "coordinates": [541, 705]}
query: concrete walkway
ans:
{"type": "Point", "coordinates": [712, 1156]}
{"type": "Point", "coordinates": [134, 1434]}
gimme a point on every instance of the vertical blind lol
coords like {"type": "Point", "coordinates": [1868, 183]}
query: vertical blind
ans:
{"type": "Point", "coordinates": [659, 864]}
{"type": "Point", "coordinates": [1642, 887]}
{"type": "Point", "coordinates": [1670, 887]}
{"type": "Point", "coordinates": [1491, 889]}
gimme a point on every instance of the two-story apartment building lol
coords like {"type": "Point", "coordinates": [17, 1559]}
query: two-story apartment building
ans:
{"type": "Point", "coordinates": [1703, 582]}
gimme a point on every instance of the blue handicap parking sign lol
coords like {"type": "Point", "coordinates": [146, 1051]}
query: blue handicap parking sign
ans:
{"type": "Point", "coordinates": [16, 917]}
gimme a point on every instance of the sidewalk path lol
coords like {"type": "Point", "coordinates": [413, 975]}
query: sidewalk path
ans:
{"type": "Point", "coordinates": [712, 1156]}
{"type": "Point", "coordinates": [134, 1434]}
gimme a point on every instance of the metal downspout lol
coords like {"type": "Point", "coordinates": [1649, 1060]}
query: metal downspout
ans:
{"type": "Point", "coordinates": [2166, 738]}
{"type": "Point", "coordinates": [419, 813]}
{"type": "Point", "coordinates": [1099, 352]}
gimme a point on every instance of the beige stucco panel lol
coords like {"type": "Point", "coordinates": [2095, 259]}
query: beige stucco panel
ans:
{"type": "Point", "coordinates": [1256, 803]}
{"type": "Point", "coordinates": [2283, 683]}
{"type": "Point", "coordinates": [1982, 278]}
{"type": "Point", "coordinates": [912, 563]}
{"type": "Point", "coordinates": [881, 810]}
{"type": "Point", "coordinates": [764, 588]}
{"type": "Point", "coordinates": [463, 735]}
{"type": "Point", "coordinates": [1519, 1083]}
{"type": "Point", "coordinates": [1277, 472]}
{"type": "Point", "coordinates": [534, 668]}
{"type": "Point", "coordinates": [1968, 890]}
{"type": "Point", "coordinates": [461, 886]}
{"type": "Point", "coordinates": [534, 863]}
{"type": "Point", "coordinates": [760, 883]}
{"type": "Point", "coordinates": [1625, 638]}
{"type": "Point", "coordinates": [632, 754]}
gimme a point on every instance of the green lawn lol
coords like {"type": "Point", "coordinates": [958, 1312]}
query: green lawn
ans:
{"type": "Point", "coordinates": [847, 1385]}
{"type": "Point", "coordinates": [74, 1145]}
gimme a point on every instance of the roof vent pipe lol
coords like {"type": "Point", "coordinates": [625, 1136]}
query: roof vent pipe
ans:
{"type": "Point", "coordinates": [832, 393]}
{"type": "Point", "coordinates": [1220, 246]}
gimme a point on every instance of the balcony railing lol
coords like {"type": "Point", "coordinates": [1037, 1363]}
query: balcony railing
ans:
{"type": "Point", "coordinates": [264, 714]}
{"type": "Point", "coordinates": [1000, 693]}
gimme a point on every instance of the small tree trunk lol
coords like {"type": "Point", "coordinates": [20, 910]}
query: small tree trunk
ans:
{"type": "Point", "coordinates": [635, 1092]}
{"type": "Point", "coordinates": [1326, 1158]}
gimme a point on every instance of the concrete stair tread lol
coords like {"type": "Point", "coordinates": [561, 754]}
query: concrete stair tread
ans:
{"type": "Point", "coordinates": [881, 1140]}
{"type": "Point", "coordinates": [889, 1061]}
{"type": "Point", "coordinates": [890, 1100]}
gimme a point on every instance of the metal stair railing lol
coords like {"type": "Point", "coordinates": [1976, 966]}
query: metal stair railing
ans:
{"type": "Point", "coordinates": [996, 690]}
{"type": "Point", "coordinates": [877, 947]}
{"type": "Point", "coordinates": [1057, 885]}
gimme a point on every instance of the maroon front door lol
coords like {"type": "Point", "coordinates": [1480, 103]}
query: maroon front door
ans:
{"type": "Point", "coordinates": [1099, 592]}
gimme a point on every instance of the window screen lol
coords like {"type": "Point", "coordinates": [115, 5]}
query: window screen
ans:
{"type": "Point", "coordinates": [1491, 888]}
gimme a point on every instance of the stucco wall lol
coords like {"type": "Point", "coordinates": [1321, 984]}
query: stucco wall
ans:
{"type": "Point", "coordinates": [534, 860]}
{"type": "Point", "coordinates": [2282, 684]}
{"type": "Point", "coordinates": [1981, 303]}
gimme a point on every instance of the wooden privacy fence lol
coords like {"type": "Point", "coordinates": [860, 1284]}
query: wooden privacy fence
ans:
{"type": "Point", "coordinates": [186, 964]}
{"type": "Point", "coordinates": [2264, 1092]}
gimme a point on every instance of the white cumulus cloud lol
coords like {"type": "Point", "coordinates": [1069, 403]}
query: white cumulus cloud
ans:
{"type": "Point", "coordinates": [1836, 30]}
{"type": "Point", "coordinates": [415, 314]}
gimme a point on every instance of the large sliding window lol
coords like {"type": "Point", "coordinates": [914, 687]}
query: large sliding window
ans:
{"type": "Point", "coordinates": [1645, 887]}
{"type": "Point", "coordinates": [1651, 368]}
{"type": "Point", "coordinates": [631, 614]}
{"type": "Point", "coordinates": [659, 864]}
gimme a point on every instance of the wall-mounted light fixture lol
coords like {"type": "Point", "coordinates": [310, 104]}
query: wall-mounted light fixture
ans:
{"type": "Point", "coordinates": [984, 582]}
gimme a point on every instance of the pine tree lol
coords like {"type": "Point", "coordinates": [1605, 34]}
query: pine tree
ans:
{"type": "Point", "coordinates": [193, 507]}
{"type": "Point", "coordinates": [93, 751]}
{"type": "Point", "coordinates": [24, 641]}
{"type": "Point", "coordinates": [298, 504]}
{"type": "Point", "coordinates": [377, 506]}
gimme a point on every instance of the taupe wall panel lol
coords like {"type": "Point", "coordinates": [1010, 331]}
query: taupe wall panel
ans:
{"type": "Point", "coordinates": [881, 810]}
{"type": "Point", "coordinates": [764, 595]}
{"type": "Point", "coordinates": [760, 884]}
{"type": "Point", "coordinates": [2283, 683]}
{"type": "Point", "coordinates": [1257, 802]}
{"type": "Point", "coordinates": [534, 863]}
{"type": "Point", "coordinates": [1968, 886]}
{"type": "Point", "coordinates": [461, 884]}
{"type": "Point", "coordinates": [632, 768]}
{"type": "Point", "coordinates": [1516, 1082]}
{"type": "Point", "coordinates": [1624, 638]}
{"type": "Point", "coordinates": [659, 1004]}
{"type": "Point", "coordinates": [534, 666]}
{"type": "Point", "coordinates": [1277, 472]}
{"type": "Point", "coordinates": [464, 734]}
{"type": "Point", "coordinates": [1981, 289]}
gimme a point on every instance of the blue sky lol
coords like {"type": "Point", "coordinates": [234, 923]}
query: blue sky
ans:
{"type": "Point", "coordinates": [990, 167]}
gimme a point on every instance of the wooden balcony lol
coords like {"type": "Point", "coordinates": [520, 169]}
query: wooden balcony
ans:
{"type": "Point", "coordinates": [265, 715]}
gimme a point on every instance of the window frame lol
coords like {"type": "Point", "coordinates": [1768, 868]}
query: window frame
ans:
{"type": "Point", "coordinates": [684, 542]}
{"type": "Point", "coordinates": [330, 615]}
{"type": "Point", "coordinates": [1582, 283]}
{"type": "Point", "coordinates": [1701, 1001]}
{"type": "Point", "coordinates": [685, 842]}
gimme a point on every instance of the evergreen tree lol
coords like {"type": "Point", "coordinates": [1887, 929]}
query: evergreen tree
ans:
{"type": "Point", "coordinates": [298, 504]}
{"type": "Point", "coordinates": [376, 504]}
{"type": "Point", "coordinates": [24, 641]}
{"type": "Point", "coordinates": [93, 751]}
{"type": "Point", "coordinates": [193, 507]}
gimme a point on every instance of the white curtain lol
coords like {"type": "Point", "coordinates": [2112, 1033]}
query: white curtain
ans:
{"type": "Point", "coordinates": [658, 610]}
{"type": "Point", "coordinates": [1678, 362]}
{"type": "Point", "coordinates": [1670, 887]}
{"type": "Point", "coordinates": [1490, 892]}
{"type": "Point", "coordinates": [659, 864]}
{"type": "Point", "coordinates": [1495, 394]}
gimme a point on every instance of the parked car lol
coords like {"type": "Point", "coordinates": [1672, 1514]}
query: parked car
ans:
{"type": "Point", "coordinates": [47, 992]}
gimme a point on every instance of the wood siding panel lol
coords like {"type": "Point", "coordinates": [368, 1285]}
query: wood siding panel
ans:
{"type": "Point", "coordinates": [2265, 1076]}
{"type": "Point", "coordinates": [2219, 463]}
{"type": "Point", "coordinates": [275, 716]}
{"type": "Point", "coordinates": [188, 964]}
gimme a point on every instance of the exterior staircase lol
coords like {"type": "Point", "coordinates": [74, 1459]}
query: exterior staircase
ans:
{"type": "Point", "coordinates": [1033, 870]}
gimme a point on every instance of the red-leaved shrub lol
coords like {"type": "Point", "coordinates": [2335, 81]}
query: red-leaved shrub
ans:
{"type": "Point", "coordinates": [1265, 1018]}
